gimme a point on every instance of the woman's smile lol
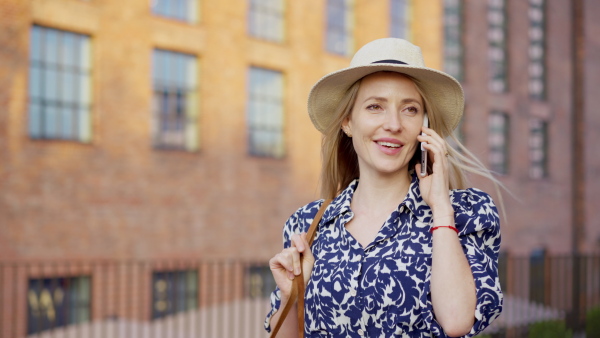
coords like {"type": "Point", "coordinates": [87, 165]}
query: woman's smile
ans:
{"type": "Point", "coordinates": [389, 146]}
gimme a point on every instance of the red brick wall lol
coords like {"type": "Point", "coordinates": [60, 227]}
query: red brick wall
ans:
{"type": "Point", "coordinates": [540, 215]}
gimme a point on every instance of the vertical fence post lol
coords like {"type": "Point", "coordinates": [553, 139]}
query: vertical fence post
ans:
{"type": "Point", "coordinates": [574, 315]}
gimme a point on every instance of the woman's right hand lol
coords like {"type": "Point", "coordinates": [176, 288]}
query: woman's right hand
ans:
{"type": "Point", "coordinates": [286, 264]}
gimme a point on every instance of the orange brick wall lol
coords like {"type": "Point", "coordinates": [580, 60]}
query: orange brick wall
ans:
{"type": "Point", "coordinates": [117, 196]}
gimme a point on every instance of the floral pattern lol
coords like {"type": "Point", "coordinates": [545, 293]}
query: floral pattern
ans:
{"type": "Point", "coordinates": [383, 290]}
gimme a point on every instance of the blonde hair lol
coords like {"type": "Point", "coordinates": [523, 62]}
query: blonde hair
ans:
{"type": "Point", "coordinates": [340, 162]}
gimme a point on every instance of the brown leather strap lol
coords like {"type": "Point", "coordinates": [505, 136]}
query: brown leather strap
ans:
{"type": "Point", "coordinates": [298, 287]}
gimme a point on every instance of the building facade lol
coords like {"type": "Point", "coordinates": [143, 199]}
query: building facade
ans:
{"type": "Point", "coordinates": [169, 128]}
{"type": "Point", "coordinates": [531, 79]}
{"type": "Point", "coordinates": [157, 130]}
{"type": "Point", "coordinates": [177, 129]}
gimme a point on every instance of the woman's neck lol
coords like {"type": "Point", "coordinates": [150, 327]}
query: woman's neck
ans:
{"type": "Point", "coordinates": [379, 193]}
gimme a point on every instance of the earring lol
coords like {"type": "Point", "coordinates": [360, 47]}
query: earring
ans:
{"type": "Point", "coordinates": [349, 134]}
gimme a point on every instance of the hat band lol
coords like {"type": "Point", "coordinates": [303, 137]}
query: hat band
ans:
{"type": "Point", "coordinates": [391, 61]}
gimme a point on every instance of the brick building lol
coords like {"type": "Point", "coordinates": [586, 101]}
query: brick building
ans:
{"type": "Point", "coordinates": [163, 129]}
{"type": "Point", "coordinates": [141, 158]}
{"type": "Point", "coordinates": [178, 129]}
{"type": "Point", "coordinates": [531, 73]}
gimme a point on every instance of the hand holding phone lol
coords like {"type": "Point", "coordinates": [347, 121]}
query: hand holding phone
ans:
{"type": "Point", "coordinates": [423, 150]}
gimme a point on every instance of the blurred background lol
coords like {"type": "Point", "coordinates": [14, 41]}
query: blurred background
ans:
{"type": "Point", "coordinates": [151, 151]}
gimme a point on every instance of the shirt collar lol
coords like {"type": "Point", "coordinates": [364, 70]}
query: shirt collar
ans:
{"type": "Point", "coordinates": [413, 202]}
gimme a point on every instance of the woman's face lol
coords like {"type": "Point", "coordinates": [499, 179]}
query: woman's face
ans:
{"type": "Point", "coordinates": [384, 123]}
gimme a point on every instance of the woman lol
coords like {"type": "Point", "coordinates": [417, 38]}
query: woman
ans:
{"type": "Point", "coordinates": [396, 253]}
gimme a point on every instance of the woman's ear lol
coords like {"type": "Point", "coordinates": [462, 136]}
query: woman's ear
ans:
{"type": "Point", "coordinates": [346, 127]}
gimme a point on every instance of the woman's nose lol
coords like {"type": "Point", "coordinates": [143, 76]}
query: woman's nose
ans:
{"type": "Point", "coordinates": [392, 122]}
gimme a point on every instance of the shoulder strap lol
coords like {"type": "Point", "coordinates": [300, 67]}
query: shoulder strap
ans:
{"type": "Point", "coordinates": [298, 287]}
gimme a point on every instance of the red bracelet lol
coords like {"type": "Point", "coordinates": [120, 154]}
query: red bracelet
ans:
{"type": "Point", "coordinates": [443, 226]}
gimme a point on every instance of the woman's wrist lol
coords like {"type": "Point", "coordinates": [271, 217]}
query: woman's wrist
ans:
{"type": "Point", "coordinates": [443, 215]}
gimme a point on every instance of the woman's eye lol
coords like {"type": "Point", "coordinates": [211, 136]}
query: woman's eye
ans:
{"type": "Point", "coordinates": [373, 107]}
{"type": "Point", "coordinates": [411, 110]}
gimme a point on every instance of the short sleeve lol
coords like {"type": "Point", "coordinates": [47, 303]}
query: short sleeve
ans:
{"type": "Point", "coordinates": [297, 223]}
{"type": "Point", "coordinates": [476, 218]}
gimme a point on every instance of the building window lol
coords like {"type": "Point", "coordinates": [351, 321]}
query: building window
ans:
{"type": "Point", "coordinates": [453, 44]}
{"type": "Point", "coordinates": [184, 10]}
{"type": "Point", "coordinates": [174, 292]}
{"type": "Point", "coordinates": [537, 49]}
{"type": "Point", "coordinates": [498, 44]}
{"type": "Point", "coordinates": [59, 85]}
{"type": "Point", "coordinates": [175, 108]}
{"type": "Point", "coordinates": [340, 26]}
{"type": "Point", "coordinates": [538, 148]}
{"type": "Point", "coordinates": [260, 281]}
{"type": "Point", "coordinates": [266, 19]}
{"type": "Point", "coordinates": [400, 19]}
{"type": "Point", "coordinates": [498, 142]}
{"type": "Point", "coordinates": [265, 113]}
{"type": "Point", "coordinates": [57, 302]}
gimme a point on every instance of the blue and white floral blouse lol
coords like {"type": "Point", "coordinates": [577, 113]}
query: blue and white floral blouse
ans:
{"type": "Point", "coordinates": [383, 290]}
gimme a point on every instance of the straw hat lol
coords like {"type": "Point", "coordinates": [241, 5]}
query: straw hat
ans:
{"type": "Point", "coordinates": [389, 54]}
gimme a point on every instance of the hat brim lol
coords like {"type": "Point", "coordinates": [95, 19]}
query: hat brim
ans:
{"type": "Point", "coordinates": [441, 90]}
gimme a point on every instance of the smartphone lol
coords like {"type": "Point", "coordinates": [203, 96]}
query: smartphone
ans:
{"type": "Point", "coordinates": [423, 150]}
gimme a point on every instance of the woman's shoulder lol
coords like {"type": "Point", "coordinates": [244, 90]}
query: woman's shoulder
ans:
{"type": "Point", "coordinates": [471, 197]}
{"type": "Point", "coordinates": [302, 218]}
{"type": "Point", "coordinates": [474, 206]}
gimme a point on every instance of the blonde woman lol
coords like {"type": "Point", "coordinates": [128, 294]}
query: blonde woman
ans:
{"type": "Point", "coordinates": [400, 251]}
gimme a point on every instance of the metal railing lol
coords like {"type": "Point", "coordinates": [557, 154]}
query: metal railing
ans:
{"type": "Point", "coordinates": [188, 298]}
{"type": "Point", "coordinates": [543, 292]}
{"type": "Point", "coordinates": [177, 298]}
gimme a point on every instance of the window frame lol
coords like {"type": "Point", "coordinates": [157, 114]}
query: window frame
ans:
{"type": "Point", "coordinates": [537, 69]}
{"type": "Point", "coordinates": [64, 315]}
{"type": "Point", "coordinates": [538, 148]}
{"type": "Point", "coordinates": [272, 102]}
{"type": "Point", "coordinates": [175, 119]}
{"type": "Point", "coordinates": [401, 23]}
{"type": "Point", "coordinates": [498, 56]}
{"type": "Point", "coordinates": [499, 142]}
{"type": "Point", "coordinates": [60, 85]}
{"type": "Point", "coordinates": [173, 296]}
{"type": "Point", "coordinates": [454, 49]}
{"type": "Point", "coordinates": [186, 10]}
{"type": "Point", "coordinates": [333, 30]}
{"type": "Point", "coordinates": [260, 11]}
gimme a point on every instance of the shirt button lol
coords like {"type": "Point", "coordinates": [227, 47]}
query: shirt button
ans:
{"type": "Point", "coordinates": [361, 332]}
{"type": "Point", "coordinates": [353, 293]}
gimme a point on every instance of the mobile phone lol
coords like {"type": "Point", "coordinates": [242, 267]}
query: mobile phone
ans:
{"type": "Point", "coordinates": [423, 150]}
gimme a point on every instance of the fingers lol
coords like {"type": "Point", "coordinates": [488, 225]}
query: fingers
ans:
{"type": "Point", "coordinates": [434, 143]}
{"type": "Point", "coordinates": [306, 252]}
{"type": "Point", "coordinates": [289, 259]}
{"type": "Point", "coordinates": [418, 169]}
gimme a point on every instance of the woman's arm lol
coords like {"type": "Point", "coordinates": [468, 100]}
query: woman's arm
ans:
{"type": "Point", "coordinates": [290, 325]}
{"type": "Point", "coordinates": [285, 266]}
{"type": "Point", "coordinates": [453, 293]}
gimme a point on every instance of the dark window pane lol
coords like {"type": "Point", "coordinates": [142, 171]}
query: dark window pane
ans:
{"type": "Point", "coordinates": [173, 292]}
{"type": "Point", "coordinates": [57, 302]}
{"type": "Point", "coordinates": [174, 81]}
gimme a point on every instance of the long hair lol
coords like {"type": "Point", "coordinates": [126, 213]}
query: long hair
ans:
{"type": "Point", "coordinates": [340, 162]}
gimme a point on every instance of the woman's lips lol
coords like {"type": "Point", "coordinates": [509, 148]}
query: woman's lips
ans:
{"type": "Point", "coordinates": [389, 146]}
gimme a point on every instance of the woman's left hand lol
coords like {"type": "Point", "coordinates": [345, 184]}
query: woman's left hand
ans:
{"type": "Point", "coordinates": [435, 186]}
